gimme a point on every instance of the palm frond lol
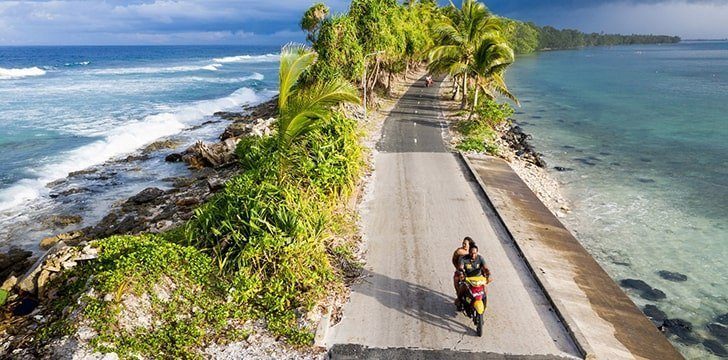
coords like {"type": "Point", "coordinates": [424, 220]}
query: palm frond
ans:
{"type": "Point", "coordinates": [295, 59]}
{"type": "Point", "coordinates": [311, 104]}
{"type": "Point", "coordinates": [500, 86]}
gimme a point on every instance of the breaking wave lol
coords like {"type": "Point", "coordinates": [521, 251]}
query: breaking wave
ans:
{"type": "Point", "coordinates": [155, 70]}
{"type": "Point", "coordinates": [119, 141]}
{"type": "Point", "coordinates": [248, 58]}
{"type": "Point", "coordinates": [80, 63]}
{"type": "Point", "coordinates": [20, 73]}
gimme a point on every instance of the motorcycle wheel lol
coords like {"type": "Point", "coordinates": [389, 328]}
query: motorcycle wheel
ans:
{"type": "Point", "coordinates": [479, 324]}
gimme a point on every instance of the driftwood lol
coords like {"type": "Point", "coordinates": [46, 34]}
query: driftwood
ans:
{"type": "Point", "coordinates": [219, 154]}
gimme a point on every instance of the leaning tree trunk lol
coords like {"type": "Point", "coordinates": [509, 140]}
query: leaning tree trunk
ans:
{"type": "Point", "coordinates": [464, 102]}
{"type": "Point", "coordinates": [374, 77]}
{"type": "Point", "coordinates": [475, 102]}
{"type": "Point", "coordinates": [455, 88]}
{"type": "Point", "coordinates": [389, 84]}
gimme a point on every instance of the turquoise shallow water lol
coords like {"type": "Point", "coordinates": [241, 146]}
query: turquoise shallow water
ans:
{"type": "Point", "coordinates": [643, 131]}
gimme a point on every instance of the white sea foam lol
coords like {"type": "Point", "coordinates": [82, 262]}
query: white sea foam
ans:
{"type": "Point", "coordinates": [119, 141]}
{"type": "Point", "coordinates": [248, 58]}
{"type": "Point", "coordinates": [6, 74]}
{"type": "Point", "coordinates": [155, 70]}
{"type": "Point", "coordinates": [233, 80]}
{"type": "Point", "coordinates": [80, 63]}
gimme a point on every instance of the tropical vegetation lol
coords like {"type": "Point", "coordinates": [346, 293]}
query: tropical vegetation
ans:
{"type": "Point", "coordinates": [527, 37]}
{"type": "Point", "coordinates": [279, 237]}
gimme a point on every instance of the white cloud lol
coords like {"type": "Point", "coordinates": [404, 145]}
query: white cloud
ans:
{"type": "Point", "coordinates": [151, 21]}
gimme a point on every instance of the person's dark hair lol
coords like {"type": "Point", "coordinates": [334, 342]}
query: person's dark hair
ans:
{"type": "Point", "coordinates": [473, 247]}
{"type": "Point", "coordinates": [470, 241]}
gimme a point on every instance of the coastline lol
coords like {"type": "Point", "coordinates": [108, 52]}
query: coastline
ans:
{"type": "Point", "coordinates": [588, 286]}
{"type": "Point", "coordinates": [155, 209]}
{"type": "Point", "coordinates": [152, 210]}
{"type": "Point", "coordinates": [513, 145]}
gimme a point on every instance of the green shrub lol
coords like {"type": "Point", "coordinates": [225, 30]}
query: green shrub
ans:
{"type": "Point", "coordinates": [271, 237]}
{"type": "Point", "coordinates": [479, 131]}
{"type": "Point", "coordinates": [185, 299]}
{"type": "Point", "coordinates": [492, 113]}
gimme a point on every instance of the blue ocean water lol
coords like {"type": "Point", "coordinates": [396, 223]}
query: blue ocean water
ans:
{"type": "Point", "coordinates": [644, 133]}
{"type": "Point", "coordinates": [65, 109]}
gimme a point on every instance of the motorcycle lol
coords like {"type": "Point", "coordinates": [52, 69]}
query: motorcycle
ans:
{"type": "Point", "coordinates": [474, 300]}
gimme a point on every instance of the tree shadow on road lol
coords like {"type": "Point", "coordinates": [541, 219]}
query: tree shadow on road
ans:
{"type": "Point", "coordinates": [422, 304]}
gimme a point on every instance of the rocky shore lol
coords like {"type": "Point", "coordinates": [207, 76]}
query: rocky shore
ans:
{"type": "Point", "coordinates": [513, 145]}
{"type": "Point", "coordinates": [153, 209]}
{"type": "Point", "coordinates": [156, 210]}
{"type": "Point", "coordinates": [25, 277]}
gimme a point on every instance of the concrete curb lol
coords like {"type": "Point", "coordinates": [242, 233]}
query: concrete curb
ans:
{"type": "Point", "coordinates": [576, 334]}
{"type": "Point", "coordinates": [323, 328]}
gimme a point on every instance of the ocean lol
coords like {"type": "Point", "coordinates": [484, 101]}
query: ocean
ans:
{"type": "Point", "coordinates": [641, 130]}
{"type": "Point", "coordinates": [641, 133]}
{"type": "Point", "coordinates": [66, 109]}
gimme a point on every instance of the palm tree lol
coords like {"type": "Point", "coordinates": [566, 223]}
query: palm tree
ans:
{"type": "Point", "coordinates": [468, 42]}
{"type": "Point", "coordinates": [491, 59]}
{"type": "Point", "coordinates": [300, 108]}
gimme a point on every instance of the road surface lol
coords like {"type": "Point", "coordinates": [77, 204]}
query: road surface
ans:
{"type": "Point", "coordinates": [420, 207]}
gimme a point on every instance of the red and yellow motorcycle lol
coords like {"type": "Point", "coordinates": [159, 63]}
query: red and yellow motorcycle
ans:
{"type": "Point", "coordinates": [474, 300]}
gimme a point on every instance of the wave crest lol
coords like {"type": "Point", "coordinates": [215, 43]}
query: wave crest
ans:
{"type": "Point", "coordinates": [120, 141]}
{"type": "Point", "coordinates": [248, 58]}
{"type": "Point", "coordinates": [80, 63]}
{"type": "Point", "coordinates": [156, 70]}
{"type": "Point", "coordinates": [20, 73]}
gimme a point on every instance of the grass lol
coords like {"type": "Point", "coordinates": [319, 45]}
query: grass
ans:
{"type": "Point", "coordinates": [478, 131]}
{"type": "Point", "coordinates": [175, 286]}
{"type": "Point", "coordinates": [264, 247]}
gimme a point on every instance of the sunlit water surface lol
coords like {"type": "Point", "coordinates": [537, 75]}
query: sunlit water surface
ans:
{"type": "Point", "coordinates": [644, 133]}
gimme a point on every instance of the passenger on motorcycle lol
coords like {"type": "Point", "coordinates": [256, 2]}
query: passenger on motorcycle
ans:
{"type": "Point", "coordinates": [460, 252]}
{"type": "Point", "coordinates": [472, 264]}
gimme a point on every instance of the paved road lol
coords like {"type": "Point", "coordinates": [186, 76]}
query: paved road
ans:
{"type": "Point", "coordinates": [421, 206]}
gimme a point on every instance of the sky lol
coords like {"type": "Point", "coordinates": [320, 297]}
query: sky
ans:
{"type": "Point", "coordinates": [273, 22]}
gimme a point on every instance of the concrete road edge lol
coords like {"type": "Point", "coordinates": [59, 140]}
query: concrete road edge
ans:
{"type": "Point", "coordinates": [571, 327]}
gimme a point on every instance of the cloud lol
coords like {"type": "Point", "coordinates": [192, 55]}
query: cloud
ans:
{"type": "Point", "coordinates": [152, 21]}
{"type": "Point", "coordinates": [688, 18]}
{"type": "Point", "coordinates": [61, 22]}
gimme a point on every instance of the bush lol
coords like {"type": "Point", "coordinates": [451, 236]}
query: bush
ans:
{"type": "Point", "coordinates": [492, 113]}
{"type": "Point", "coordinates": [479, 131]}
{"type": "Point", "coordinates": [174, 286]}
{"type": "Point", "coordinates": [271, 237]}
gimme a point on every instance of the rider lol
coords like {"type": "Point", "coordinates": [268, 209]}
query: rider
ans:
{"type": "Point", "coordinates": [460, 252]}
{"type": "Point", "coordinates": [472, 264]}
